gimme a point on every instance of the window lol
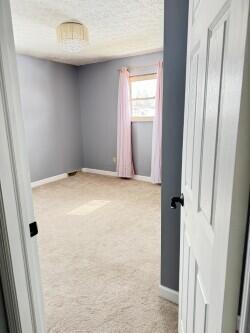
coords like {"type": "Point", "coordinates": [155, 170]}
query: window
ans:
{"type": "Point", "coordinates": [143, 89]}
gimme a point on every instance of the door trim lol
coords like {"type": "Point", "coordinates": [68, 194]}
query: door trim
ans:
{"type": "Point", "coordinates": [7, 275]}
{"type": "Point", "coordinates": [9, 128]}
{"type": "Point", "coordinates": [244, 322]}
{"type": "Point", "coordinates": [19, 268]}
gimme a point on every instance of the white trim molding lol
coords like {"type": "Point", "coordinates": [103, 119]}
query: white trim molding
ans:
{"type": "Point", "coordinates": [169, 294]}
{"type": "Point", "coordinates": [100, 172]}
{"type": "Point", "coordinates": [238, 324]}
{"type": "Point", "coordinates": [244, 321]}
{"type": "Point", "coordinates": [114, 174]}
{"type": "Point", "coordinates": [19, 262]}
{"type": "Point", "coordinates": [49, 180]}
{"type": "Point", "coordinates": [87, 170]}
{"type": "Point", "coordinates": [142, 178]}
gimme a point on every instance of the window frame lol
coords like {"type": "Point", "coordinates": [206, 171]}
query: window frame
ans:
{"type": "Point", "coordinates": [141, 77]}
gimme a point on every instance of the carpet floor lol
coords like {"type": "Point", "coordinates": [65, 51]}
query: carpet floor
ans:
{"type": "Point", "coordinates": [99, 246]}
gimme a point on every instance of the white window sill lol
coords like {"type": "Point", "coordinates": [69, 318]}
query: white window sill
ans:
{"type": "Point", "coordinates": [142, 119]}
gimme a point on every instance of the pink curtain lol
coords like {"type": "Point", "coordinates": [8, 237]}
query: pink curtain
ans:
{"type": "Point", "coordinates": [157, 129]}
{"type": "Point", "coordinates": [124, 145]}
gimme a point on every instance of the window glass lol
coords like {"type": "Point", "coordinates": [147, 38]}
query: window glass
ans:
{"type": "Point", "coordinates": [143, 108]}
{"type": "Point", "coordinates": [143, 89]}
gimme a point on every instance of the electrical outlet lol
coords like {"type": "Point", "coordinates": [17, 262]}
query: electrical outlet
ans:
{"type": "Point", "coordinates": [114, 159]}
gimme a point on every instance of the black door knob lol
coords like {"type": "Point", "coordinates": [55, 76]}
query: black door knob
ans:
{"type": "Point", "coordinates": [175, 200]}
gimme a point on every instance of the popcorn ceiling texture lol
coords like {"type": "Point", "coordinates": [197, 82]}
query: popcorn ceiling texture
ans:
{"type": "Point", "coordinates": [117, 28]}
{"type": "Point", "coordinates": [99, 244]}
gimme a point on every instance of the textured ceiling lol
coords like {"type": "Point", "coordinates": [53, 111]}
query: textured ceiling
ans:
{"type": "Point", "coordinates": [117, 28]}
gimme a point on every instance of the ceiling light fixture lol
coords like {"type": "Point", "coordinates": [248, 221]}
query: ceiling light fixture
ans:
{"type": "Point", "coordinates": [72, 36]}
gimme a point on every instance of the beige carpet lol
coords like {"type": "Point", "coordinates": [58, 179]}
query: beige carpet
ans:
{"type": "Point", "coordinates": [99, 242]}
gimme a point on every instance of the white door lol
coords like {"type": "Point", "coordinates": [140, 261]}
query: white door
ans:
{"type": "Point", "coordinates": [19, 266]}
{"type": "Point", "coordinates": [215, 175]}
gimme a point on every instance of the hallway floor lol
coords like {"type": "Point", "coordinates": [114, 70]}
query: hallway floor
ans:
{"type": "Point", "coordinates": [99, 244]}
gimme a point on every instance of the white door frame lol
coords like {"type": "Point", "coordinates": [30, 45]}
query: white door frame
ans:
{"type": "Point", "coordinates": [19, 266]}
{"type": "Point", "coordinates": [7, 275]}
{"type": "Point", "coordinates": [245, 305]}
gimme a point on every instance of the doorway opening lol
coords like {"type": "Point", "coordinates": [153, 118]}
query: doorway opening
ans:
{"type": "Point", "coordinates": [99, 232]}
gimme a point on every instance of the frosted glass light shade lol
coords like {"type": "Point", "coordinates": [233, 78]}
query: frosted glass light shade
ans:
{"type": "Point", "coordinates": [72, 36]}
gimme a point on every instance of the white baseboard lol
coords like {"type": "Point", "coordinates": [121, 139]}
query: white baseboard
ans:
{"type": "Point", "coordinates": [142, 178]}
{"type": "Point", "coordinates": [114, 174]}
{"type": "Point", "coordinates": [238, 324]}
{"type": "Point", "coordinates": [169, 294]}
{"type": "Point", "coordinates": [48, 180]}
{"type": "Point", "coordinates": [94, 171]}
{"type": "Point", "coordinates": [100, 172]}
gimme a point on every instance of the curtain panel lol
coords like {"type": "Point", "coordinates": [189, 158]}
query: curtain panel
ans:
{"type": "Point", "coordinates": [125, 167]}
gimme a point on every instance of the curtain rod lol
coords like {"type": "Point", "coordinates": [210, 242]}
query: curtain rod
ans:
{"type": "Point", "coordinates": [136, 67]}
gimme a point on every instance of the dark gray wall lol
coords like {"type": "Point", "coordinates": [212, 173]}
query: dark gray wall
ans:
{"type": "Point", "coordinates": [175, 41]}
{"type": "Point", "coordinates": [51, 110]}
{"type": "Point", "coordinates": [98, 100]}
{"type": "Point", "coordinates": [3, 317]}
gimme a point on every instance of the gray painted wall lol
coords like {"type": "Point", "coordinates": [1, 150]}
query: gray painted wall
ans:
{"type": "Point", "coordinates": [51, 110]}
{"type": "Point", "coordinates": [142, 147]}
{"type": "Point", "coordinates": [98, 101]}
{"type": "Point", "coordinates": [175, 41]}
{"type": "Point", "coordinates": [3, 317]}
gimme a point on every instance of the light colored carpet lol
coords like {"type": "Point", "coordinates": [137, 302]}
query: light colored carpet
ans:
{"type": "Point", "coordinates": [99, 243]}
